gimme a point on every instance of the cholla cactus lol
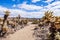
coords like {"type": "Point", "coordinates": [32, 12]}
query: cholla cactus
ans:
{"type": "Point", "coordinates": [57, 36]}
{"type": "Point", "coordinates": [6, 15]}
{"type": "Point", "coordinates": [48, 14]}
{"type": "Point", "coordinates": [5, 19]}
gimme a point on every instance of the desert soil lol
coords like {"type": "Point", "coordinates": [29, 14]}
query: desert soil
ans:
{"type": "Point", "coordinates": [23, 34]}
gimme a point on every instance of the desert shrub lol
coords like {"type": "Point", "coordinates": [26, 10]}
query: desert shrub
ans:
{"type": "Point", "coordinates": [40, 24]}
{"type": "Point", "coordinates": [35, 22]}
{"type": "Point", "coordinates": [25, 21]}
{"type": "Point", "coordinates": [20, 22]}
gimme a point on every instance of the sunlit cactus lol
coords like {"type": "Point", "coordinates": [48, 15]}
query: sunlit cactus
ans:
{"type": "Point", "coordinates": [4, 26]}
{"type": "Point", "coordinates": [57, 36]}
{"type": "Point", "coordinates": [6, 13]}
{"type": "Point", "coordinates": [5, 16]}
{"type": "Point", "coordinates": [48, 14]}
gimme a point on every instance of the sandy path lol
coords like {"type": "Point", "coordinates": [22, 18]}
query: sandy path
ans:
{"type": "Point", "coordinates": [22, 34]}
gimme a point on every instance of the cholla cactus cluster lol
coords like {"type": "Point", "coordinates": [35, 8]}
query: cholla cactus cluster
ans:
{"type": "Point", "coordinates": [23, 22]}
{"type": "Point", "coordinates": [48, 28]}
{"type": "Point", "coordinates": [9, 26]}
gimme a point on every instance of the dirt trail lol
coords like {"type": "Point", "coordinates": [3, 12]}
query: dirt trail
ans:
{"type": "Point", "coordinates": [23, 34]}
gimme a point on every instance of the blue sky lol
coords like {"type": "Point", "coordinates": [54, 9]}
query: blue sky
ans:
{"type": "Point", "coordinates": [10, 3]}
{"type": "Point", "coordinates": [29, 8]}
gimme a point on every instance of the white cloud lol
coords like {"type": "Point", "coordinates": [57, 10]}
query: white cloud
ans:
{"type": "Point", "coordinates": [53, 7]}
{"type": "Point", "coordinates": [29, 7]}
{"type": "Point", "coordinates": [35, 1]}
{"type": "Point", "coordinates": [54, 4]}
{"type": "Point", "coordinates": [15, 12]}
{"type": "Point", "coordinates": [49, 0]}
{"type": "Point", "coordinates": [2, 8]}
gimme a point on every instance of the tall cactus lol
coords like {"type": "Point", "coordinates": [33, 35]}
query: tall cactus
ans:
{"type": "Point", "coordinates": [4, 27]}
{"type": "Point", "coordinates": [5, 16]}
{"type": "Point", "coordinates": [48, 14]}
